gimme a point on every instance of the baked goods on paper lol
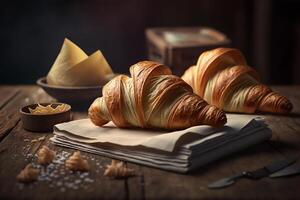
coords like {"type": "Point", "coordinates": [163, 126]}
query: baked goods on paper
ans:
{"type": "Point", "coordinates": [152, 98]}
{"type": "Point", "coordinates": [222, 78]}
{"type": "Point", "coordinates": [73, 67]}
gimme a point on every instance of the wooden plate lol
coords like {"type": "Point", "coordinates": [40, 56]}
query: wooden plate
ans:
{"type": "Point", "coordinates": [43, 122]}
{"type": "Point", "coordinates": [75, 96]}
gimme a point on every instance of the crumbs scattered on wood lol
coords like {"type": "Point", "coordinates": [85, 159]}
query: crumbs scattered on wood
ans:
{"type": "Point", "coordinates": [41, 138]}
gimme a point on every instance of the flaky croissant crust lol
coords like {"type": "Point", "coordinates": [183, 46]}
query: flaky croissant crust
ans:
{"type": "Point", "coordinates": [152, 98]}
{"type": "Point", "coordinates": [222, 77]}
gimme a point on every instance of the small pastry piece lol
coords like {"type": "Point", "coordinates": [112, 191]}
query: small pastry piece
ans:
{"type": "Point", "coordinates": [45, 155]}
{"type": "Point", "coordinates": [77, 163]}
{"type": "Point", "coordinates": [118, 170]}
{"type": "Point", "coordinates": [152, 98]}
{"type": "Point", "coordinates": [28, 174]}
{"type": "Point", "coordinates": [222, 78]}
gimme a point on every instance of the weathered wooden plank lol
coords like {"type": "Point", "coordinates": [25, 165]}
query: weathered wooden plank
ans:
{"type": "Point", "coordinates": [286, 128]}
{"type": "Point", "coordinates": [9, 113]}
{"type": "Point", "coordinates": [136, 184]}
{"type": "Point", "coordinates": [7, 93]}
{"type": "Point", "coordinates": [167, 185]}
{"type": "Point", "coordinates": [14, 151]}
{"type": "Point", "coordinates": [153, 183]}
{"type": "Point", "coordinates": [13, 158]}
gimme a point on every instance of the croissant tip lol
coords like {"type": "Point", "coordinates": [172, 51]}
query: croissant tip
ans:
{"type": "Point", "coordinates": [287, 107]}
{"type": "Point", "coordinates": [276, 104]}
{"type": "Point", "coordinates": [219, 117]}
{"type": "Point", "coordinates": [95, 119]}
{"type": "Point", "coordinates": [222, 120]}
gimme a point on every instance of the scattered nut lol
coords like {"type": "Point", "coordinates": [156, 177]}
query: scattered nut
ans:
{"type": "Point", "coordinates": [28, 174]}
{"type": "Point", "coordinates": [118, 170]}
{"type": "Point", "coordinates": [45, 155]}
{"type": "Point", "coordinates": [77, 163]}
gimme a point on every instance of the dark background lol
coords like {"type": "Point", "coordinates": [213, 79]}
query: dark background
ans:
{"type": "Point", "coordinates": [32, 32]}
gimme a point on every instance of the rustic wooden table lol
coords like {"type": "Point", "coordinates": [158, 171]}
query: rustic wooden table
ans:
{"type": "Point", "coordinates": [18, 147]}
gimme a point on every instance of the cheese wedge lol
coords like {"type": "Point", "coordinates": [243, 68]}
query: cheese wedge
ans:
{"type": "Point", "coordinates": [69, 55]}
{"type": "Point", "coordinates": [92, 71]}
{"type": "Point", "coordinates": [73, 67]}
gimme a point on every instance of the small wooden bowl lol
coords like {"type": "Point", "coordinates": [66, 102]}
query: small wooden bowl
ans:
{"type": "Point", "coordinates": [43, 122]}
{"type": "Point", "coordinates": [75, 96]}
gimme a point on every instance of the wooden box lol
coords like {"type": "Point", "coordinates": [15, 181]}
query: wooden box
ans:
{"type": "Point", "coordinates": [180, 47]}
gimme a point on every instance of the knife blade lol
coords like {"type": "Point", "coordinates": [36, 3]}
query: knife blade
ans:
{"type": "Point", "coordinates": [278, 165]}
{"type": "Point", "coordinates": [288, 171]}
{"type": "Point", "coordinates": [256, 174]}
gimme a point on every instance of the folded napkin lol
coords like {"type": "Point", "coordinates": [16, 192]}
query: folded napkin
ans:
{"type": "Point", "coordinates": [179, 151]}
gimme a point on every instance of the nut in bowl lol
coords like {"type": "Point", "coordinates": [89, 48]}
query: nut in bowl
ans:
{"type": "Point", "coordinates": [42, 117]}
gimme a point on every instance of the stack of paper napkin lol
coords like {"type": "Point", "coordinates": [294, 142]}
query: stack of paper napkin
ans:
{"type": "Point", "coordinates": [179, 151]}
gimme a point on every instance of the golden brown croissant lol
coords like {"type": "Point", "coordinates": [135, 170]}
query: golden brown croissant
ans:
{"type": "Point", "coordinates": [152, 98]}
{"type": "Point", "coordinates": [222, 78]}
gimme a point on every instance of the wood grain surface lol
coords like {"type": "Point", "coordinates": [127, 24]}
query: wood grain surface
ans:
{"type": "Point", "coordinates": [17, 150]}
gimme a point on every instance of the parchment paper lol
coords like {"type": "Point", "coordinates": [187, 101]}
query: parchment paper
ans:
{"type": "Point", "coordinates": [179, 151]}
{"type": "Point", "coordinates": [84, 131]}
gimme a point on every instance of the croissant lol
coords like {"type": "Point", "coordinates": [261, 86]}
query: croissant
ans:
{"type": "Point", "coordinates": [45, 155]}
{"type": "Point", "coordinates": [222, 78]}
{"type": "Point", "coordinates": [77, 163]}
{"type": "Point", "coordinates": [152, 98]}
{"type": "Point", "coordinates": [118, 170]}
{"type": "Point", "coordinates": [28, 174]}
